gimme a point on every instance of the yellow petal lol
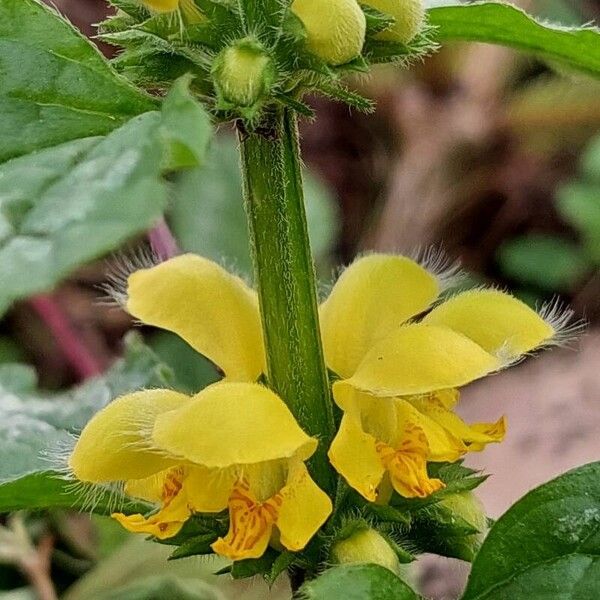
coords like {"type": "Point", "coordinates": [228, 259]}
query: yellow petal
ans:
{"type": "Point", "coordinates": [212, 310]}
{"type": "Point", "coordinates": [448, 398]}
{"type": "Point", "coordinates": [164, 524]}
{"type": "Point", "coordinates": [417, 359]}
{"type": "Point", "coordinates": [207, 490]}
{"type": "Point", "coordinates": [434, 408]}
{"type": "Point", "coordinates": [444, 445]}
{"type": "Point", "coordinates": [174, 512]}
{"type": "Point", "coordinates": [115, 445]}
{"type": "Point", "coordinates": [149, 489]}
{"type": "Point", "coordinates": [385, 419]}
{"type": "Point", "coordinates": [304, 508]}
{"type": "Point", "coordinates": [372, 297]}
{"type": "Point", "coordinates": [250, 524]}
{"type": "Point", "coordinates": [496, 321]}
{"type": "Point", "coordinates": [377, 416]}
{"type": "Point", "coordinates": [494, 431]}
{"type": "Point", "coordinates": [230, 424]}
{"type": "Point", "coordinates": [407, 464]}
{"type": "Point", "coordinates": [354, 456]}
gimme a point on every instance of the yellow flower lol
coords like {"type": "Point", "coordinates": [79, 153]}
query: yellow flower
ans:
{"type": "Point", "coordinates": [213, 311]}
{"type": "Point", "coordinates": [233, 445]}
{"type": "Point", "coordinates": [399, 375]}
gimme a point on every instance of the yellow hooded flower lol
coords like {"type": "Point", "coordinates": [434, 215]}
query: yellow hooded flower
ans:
{"type": "Point", "coordinates": [398, 375]}
{"type": "Point", "coordinates": [213, 311]}
{"type": "Point", "coordinates": [233, 445]}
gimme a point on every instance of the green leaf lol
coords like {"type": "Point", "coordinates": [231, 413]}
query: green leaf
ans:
{"type": "Point", "coordinates": [67, 205]}
{"type": "Point", "coordinates": [547, 262]}
{"type": "Point", "coordinates": [161, 587]}
{"type": "Point", "coordinates": [64, 206]}
{"type": "Point", "coordinates": [186, 127]}
{"type": "Point", "coordinates": [546, 546]}
{"type": "Point", "coordinates": [579, 204]}
{"type": "Point", "coordinates": [193, 372]}
{"type": "Point", "coordinates": [207, 214]}
{"type": "Point", "coordinates": [35, 428]}
{"type": "Point", "coordinates": [357, 582]}
{"type": "Point", "coordinates": [591, 161]}
{"type": "Point", "coordinates": [54, 84]}
{"type": "Point", "coordinates": [198, 545]}
{"type": "Point", "coordinates": [507, 25]}
{"type": "Point", "coordinates": [242, 569]}
{"type": "Point", "coordinates": [47, 489]}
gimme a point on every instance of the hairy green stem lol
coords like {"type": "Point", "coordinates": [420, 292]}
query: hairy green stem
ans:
{"type": "Point", "coordinates": [285, 278]}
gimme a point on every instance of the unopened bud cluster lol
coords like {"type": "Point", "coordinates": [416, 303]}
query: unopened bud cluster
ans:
{"type": "Point", "coordinates": [248, 57]}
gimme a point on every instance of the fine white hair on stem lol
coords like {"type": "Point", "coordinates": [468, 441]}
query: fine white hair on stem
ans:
{"type": "Point", "coordinates": [562, 319]}
{"type": "Point", "coordinates": [120, 267]}
{"type": "Point", "coordinates": [446, 270]}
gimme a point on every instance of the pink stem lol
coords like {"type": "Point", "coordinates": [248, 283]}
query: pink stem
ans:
{"type": "Point", "coordinates": [162, 240]}
{"type": "Point", "coordinates": [75, 351]}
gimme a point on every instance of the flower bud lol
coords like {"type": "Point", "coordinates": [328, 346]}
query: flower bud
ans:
{"type": "Point", "coordinates": [467, 507]}
{"type": "Point", "coordinates": [243, 74]}
{"type": "Point", "coordinates": [464, 509]}
{"type": "Point", "coordinates": [335, 29]}
{"type": "Point", "coordinates": [366, 545]}
{"type": "Point", "coordinates": [409, 16]}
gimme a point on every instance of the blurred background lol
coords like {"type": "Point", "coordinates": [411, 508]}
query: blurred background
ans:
{"type": "Point", "coordinates": [488, 154]}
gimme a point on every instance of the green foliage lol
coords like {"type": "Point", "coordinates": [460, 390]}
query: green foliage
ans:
{"type": "Point", "coordinates": [579, 202]}
{"type": "Point", "coordinates": [500, 23]}
{"type": "Point", "coordinates": [37, 428]}
{"type": "Point", "coordinates": [546, 262]}
{"type": "Point", "coordinates": [161, 587]}
{"type": "Point", "coordinates": [54, 85]}
{"type": "Point", "coordinates": [207, 214]}
{"type": "Point", "coordinates": [357, 582]}
{"type": "Point", "coordinates": [550, 263]}
{"type": "Point", "coordinates": [546, 546]}
{"type": "Point", "coordinates": [192, 371]}
{"type": "Point", "coordinates": [136, 561]}
{"type": "Point", "coordinates": [63, 206]}
{"type": "Point", "coordinates": [186, 128]}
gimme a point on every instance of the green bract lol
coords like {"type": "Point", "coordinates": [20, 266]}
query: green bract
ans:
{"type": "Point", "coordinates": [248, 59]}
